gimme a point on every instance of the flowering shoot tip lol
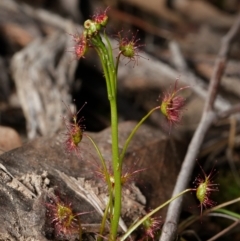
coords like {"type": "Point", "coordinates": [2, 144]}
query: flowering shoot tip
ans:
{"type": "Point", "coordinates": [101, 17]}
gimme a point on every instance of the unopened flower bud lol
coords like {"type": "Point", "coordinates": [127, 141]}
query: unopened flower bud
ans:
{"type": "Point", "coordinates": [81, 46]}
{"type": "Point", "coordinates": [101, 17]}
{"type": "Point", "coordinates": [204, 187]}
{"type": "Point", "coordinates": [92, 27]}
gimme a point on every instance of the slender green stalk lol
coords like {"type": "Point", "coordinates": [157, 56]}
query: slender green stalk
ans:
{"type": "Point", "coordinates": [115, 152]}
{"type": "Point", "coordinates": [117, 171]}
{"type": "Point", "coordinates": [151, 213]}
{"type": "Point", "coordinates": [133, 133]}
{"type": "Point", "coordinates": [109, 208]}
{"type": "Point", "coordinates": [228, 212]}
{"type": "Point", "coordinates": [105, 170]}
{"type": "Point", "coordinates": [223, 205]}
{"type": "Point", "coordinates": [111, 62]}
{"type": "Point", "coordinates": [98, 152]}
{"type": "Point", "coordinates": [105, 55]}
{"type": "Point", "coordinates": [117, 62]}
{"type": "Point", "coordinates": [104, 219]}
{"type": "Point", "coordinates": [109, 65]}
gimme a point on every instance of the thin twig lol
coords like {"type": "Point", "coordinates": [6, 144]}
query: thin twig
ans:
{"type": "Point", "coordinates": [208, 116]}
{"type": "Point", "coordinates": [189, 221]}
{"type": "Point", "coordinates": [233, 110]}
{"type": "Point", "coordinates": [224, 231]}
{"type": "Point", "coordinates": [197, 83]}
{"type": "Point", "coordinates": [230, 149]}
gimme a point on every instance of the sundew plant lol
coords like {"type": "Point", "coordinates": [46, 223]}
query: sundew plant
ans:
{"type": "Point", "coordinates": [171, 106]}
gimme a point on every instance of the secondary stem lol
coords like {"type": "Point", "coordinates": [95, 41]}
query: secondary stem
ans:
{"type": "Point", "coordinates": [151, 213]}
{"type": "Point", "coordinates": [109, 208]}
{"type": "Point", "coordinates": [133, 133]}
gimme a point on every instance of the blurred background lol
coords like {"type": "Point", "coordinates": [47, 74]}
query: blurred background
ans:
{"type": "Point", "coordinates": [166, 30]}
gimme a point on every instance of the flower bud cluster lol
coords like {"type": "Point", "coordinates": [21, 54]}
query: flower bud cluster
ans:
{"type": "Point", "coordinates": [94, 25]}
{"type": "Point", "coordinates": [128, 47]}
{"type": "Point", "coordinates": [91, 28]}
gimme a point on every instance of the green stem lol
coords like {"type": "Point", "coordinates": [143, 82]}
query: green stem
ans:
{"type": "Point", "coordinates": [111, 63]}
{"type": "Point", "coordinates": [105, 170]}
{"type": "Point", "coordinates": [116, 169]}
{"type": "Point", "coordinates": [133, 133]}
{"type": "Point", "coordinates": [230, 213]}
{"type": "Point", "coordinates": [105, 55]}
{"type": "Point", "coordinates": [115, 151]}
{"type": "Point", "coordinates": [109, 208]}
{"type": "Point", "coordinates": [223, 205]}
{"type": "Point", "coordinates": [104, 219]}
{"type": "Point", "coordinates": [117, 62]}
{"type": "Point", "coordinates": [151, 213]}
